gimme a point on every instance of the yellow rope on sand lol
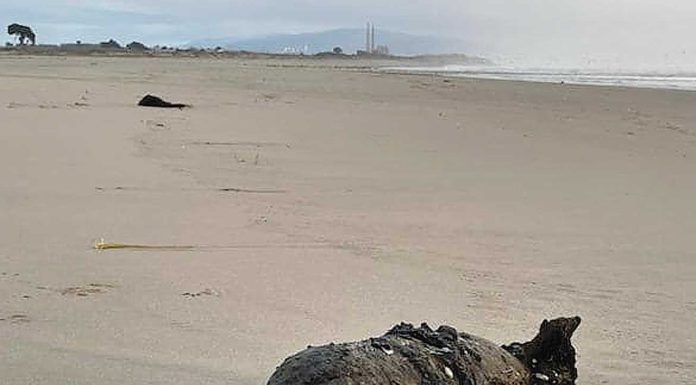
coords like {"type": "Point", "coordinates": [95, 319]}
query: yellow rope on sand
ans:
{"type": "Point", "coordinates": [101, 245]}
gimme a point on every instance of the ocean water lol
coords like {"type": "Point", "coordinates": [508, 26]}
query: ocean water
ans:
{"type": "Point", "coordinates": [676, 80]}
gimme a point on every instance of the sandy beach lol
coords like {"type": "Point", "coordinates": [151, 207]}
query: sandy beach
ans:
{"type": "Point", "coordinates": [318, 201]}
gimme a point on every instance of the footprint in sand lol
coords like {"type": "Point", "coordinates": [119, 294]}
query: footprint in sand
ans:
{"type": "Point", "coordinates": [154, 125]}
{"type": "Point", "coordinates": [266, 98]}
{"type": "Point", "coordinates": [84, 291]}
{"type": "Point", "coordinates": [207, 292]}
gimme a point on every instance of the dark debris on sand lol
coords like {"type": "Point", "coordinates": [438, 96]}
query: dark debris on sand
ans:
{"type": "Point", "coordinates": [156, 101]}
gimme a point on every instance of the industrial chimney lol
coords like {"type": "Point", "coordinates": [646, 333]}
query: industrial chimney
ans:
{"type": "Point", "coordinates": [372, 39]}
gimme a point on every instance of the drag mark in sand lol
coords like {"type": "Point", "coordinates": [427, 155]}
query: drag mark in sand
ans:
{"type": "Point", "coordinates": [241, 144]}
{"type": "Point", "coordinates": [84, 291]}
{"type": "Point", "coordinates": [221, 189]}
{"type": "Point", "coordinates": [251, 191]}
{"type": "Point", "coordinates": [16, 319]}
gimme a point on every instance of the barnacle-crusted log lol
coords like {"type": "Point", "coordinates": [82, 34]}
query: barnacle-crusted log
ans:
{"type": "Point", "coordinates": [407, 355]}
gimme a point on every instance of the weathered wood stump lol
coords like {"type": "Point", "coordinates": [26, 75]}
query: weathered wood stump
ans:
{"type": "Point", "coordinates": [407, 355]}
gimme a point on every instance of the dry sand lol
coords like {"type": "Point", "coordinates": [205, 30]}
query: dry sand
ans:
{"type": "Point", "coordinates": [363, 199]}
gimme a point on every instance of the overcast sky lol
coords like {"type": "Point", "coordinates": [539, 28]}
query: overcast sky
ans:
{"type": "Point", "coordinates": [555, 32]}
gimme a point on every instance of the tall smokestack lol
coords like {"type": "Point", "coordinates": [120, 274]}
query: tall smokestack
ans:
{"type": "Point", "coordinates": [367, 38]}
{"type": "Point", "coordinates": [372, 45]}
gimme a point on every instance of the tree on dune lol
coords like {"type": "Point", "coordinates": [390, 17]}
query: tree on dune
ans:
{"type": "Point", "coordinates": [22, 32]}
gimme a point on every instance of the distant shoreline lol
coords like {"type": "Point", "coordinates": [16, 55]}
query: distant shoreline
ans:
{"type": "Point", "coordinates": [579, 77]}
{"type": "Point", "coordinates": [98, 51]}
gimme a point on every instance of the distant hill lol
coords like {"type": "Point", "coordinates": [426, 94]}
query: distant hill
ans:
{"type": "Point", "coordinates": [350, 40]}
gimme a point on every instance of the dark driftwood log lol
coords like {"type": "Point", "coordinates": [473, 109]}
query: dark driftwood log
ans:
{"type": "Point", "coordinates": [155, 101]}
{"type": "Point", "coordinates": [421, 356]}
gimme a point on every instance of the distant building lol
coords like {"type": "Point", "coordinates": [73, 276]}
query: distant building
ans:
{"type": "Point", "coordinates": [137, 46]}
{"type": "Point", "coordinates": [370, 47]}
{"type": "Point", "coordinates": [381, 50]}
{"type": "Point", "coordinates": [79, 47]}
{"type": "Point", "coordinates": [111, 44]}
{"type": "Point", "coordinates": [291, 51]}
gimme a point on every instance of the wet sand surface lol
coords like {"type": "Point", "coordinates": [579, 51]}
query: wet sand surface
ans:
{"type": "Point", "coordinates": [310, 204]}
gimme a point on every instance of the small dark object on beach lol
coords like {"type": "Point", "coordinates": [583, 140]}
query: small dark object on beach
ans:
{"type": "Point", "coordinates": [154, 101]}
{"type": "Point", "coordinates": [408, 355]}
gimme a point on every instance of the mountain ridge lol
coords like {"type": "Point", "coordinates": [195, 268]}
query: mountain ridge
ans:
{"type": "Point", "coordinates": [350, 40]}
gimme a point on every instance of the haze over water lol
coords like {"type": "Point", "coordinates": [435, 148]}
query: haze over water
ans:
{"type": "Point", "coordinates": [542, 39]}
